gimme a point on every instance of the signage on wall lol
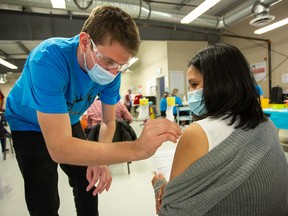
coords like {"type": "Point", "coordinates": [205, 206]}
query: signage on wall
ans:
{"type": "Point", "coordinates": [284, 78]}
{"type": "Point", "coordinates": [259, 71]}
{"type": "Point", "coordinates": [177, 80]}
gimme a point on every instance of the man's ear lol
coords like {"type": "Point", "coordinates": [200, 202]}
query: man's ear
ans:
{"type": "Point", "coordinates": [84, 41]}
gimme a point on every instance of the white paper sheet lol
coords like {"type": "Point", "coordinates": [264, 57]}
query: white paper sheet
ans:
{"type": "Point", "coordinates": [162, 162]}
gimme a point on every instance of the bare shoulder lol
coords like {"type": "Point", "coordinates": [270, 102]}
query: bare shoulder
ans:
{"type": "Point", "coordinates": [191, 146]}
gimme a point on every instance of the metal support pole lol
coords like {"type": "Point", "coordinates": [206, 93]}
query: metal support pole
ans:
{"type": "Point", "coordinates": [269, 67]}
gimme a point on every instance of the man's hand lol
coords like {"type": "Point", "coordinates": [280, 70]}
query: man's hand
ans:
{"type": "Point", "coordinates": [154, 134]}
{"type": "Point", "coordinates": [101, 175]}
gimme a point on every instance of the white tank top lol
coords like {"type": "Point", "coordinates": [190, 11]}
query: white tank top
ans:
{"type": "Point", "coordinates": [216, 130]}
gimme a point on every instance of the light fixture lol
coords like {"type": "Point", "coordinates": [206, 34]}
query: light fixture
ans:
{"type": "Point", "coordinates": [272, 26]}
{"type": "Point", "coordinates": [58, 4]}
{"type": "Point", "coordinates": [129, 64]}
{"type": "Point", "coordinates": [8, 64]}
{"type": "Point", "coordinates": [128, 70]}
{"type": "Point", "coordinates": [275, 3]}
{"type": "Point", "coordinates": [202, 8]}
{"type": "Point", "coordinates": [3, 79]}
{"type": "Point", "coordinates": [132, 61]}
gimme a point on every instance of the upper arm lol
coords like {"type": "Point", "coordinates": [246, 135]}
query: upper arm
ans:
{"type": "Point", "coordinates": [192, 146]}
{"type": "Point", "coordinates": [56, 128]}
{"type": "Point", "coordinates": [44, 92]}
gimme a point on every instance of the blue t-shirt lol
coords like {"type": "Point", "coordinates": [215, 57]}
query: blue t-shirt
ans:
{"type": "Point", "coordinates": [53, 82]}
{"type": "Point", "coordinates": [163, 104]}
{"type": "Point", "coordinates": [178, 103]}
{"type": "Point", "coordinates": [260, 91]}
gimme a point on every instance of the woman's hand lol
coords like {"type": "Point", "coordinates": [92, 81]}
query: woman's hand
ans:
{"type": "Point", "coordinates": [158, 177]}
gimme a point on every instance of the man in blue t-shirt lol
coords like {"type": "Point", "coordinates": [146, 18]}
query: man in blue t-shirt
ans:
{"type": "Point", "coordinates": [60, 80]}
{"type": "Point", "coordinates": [260, 91]}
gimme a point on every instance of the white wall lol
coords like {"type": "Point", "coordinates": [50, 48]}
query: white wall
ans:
{"type": "Point", "coordinates": [179, 55]}
{"type": "Point", "coordinates": [154, 55]}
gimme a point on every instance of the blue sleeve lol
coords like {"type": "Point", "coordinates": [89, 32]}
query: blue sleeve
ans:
{"type": "Point", "coordinates": [178, 101]}
{"type": "Point", "coordinates": [45, 85]}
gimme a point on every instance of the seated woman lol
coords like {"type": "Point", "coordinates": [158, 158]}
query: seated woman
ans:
{"type": "Point", "coordinates": [229, 161]}
{"type": "Point", "coordinates": [178, 101]}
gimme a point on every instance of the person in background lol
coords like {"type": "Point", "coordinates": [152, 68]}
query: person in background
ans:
{"type": "Point", "coordinates": [2, 110]}
{"type": "Point", "coordinates": [60, 80]}
{"type": "Point", "coordinates": [4, 134]}
{"type": "Point", "coordinates": [2, 100]}
{"type": "Point", "coordinates": [260, 91]}
{"type": "Point", "coordinates": [94, 113]}
{"type": "Point", "coordinates": [3, 131]}
{"type": "Point", "coordinates": [163, 104]}
{"type": "Point", "coordinates": [136, 101]}
{"type": "Point", "coordinates": [225, 161]}
{"type": "Point", "coordinates": [128, 100]}
{"type": "Point", "coordinates": [178, 101]}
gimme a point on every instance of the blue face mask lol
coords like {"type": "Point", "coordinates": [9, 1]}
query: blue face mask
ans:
{"type": "Point", "coordinates": [99, 74]}
{"type": "Point", "coordinates": [195, 102]}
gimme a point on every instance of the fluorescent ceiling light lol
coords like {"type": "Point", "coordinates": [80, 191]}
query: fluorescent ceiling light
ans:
{"type": "Point", "coordinates": [275, 3]}
{"type": "Point", "coordinates": [8, 64]}
{"type": "Point", "coordinates": [272, 26]}
{"type": "Point", "coordinates": [202, 8]}
{"type": "Point", "coordinates": [132, 61]}
{"type": "Point", "coordinates": [58, 4]}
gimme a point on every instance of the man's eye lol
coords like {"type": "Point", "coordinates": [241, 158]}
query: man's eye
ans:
{"type": "Point", "coordinates": [106, 60]}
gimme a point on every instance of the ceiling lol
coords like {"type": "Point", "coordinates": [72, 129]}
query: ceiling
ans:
{"type": "Point", "coordinates": [25, 23]}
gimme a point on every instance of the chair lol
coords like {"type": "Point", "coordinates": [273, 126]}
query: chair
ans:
{"type": "Point", "coordinates": [4, 134]}
{"type": "Point", "coordinates": [183, 114]}
{"type": "Point", "coordinates": [123, 132]}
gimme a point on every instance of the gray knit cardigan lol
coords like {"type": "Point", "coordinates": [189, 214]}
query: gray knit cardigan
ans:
{"type": "Point", "coordinates": [245, 175]}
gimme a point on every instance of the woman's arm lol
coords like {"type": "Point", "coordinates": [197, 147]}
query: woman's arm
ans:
{"type": "Point", "coordinates": [192, 146]}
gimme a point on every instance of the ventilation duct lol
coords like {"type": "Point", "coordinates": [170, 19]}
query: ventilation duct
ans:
{"type": "Point", "coordinates": [262, 16]}
{"type": "Point", "coordinates": [145, 11]}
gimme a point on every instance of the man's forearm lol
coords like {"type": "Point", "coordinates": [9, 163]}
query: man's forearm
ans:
{"type": "Point", "coordinates": [107, 132]}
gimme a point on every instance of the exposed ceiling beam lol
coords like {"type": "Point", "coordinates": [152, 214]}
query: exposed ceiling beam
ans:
{"type": "Point", "coordinates": [7, 56]}
{"type": "Point", "coordinates": [23, 47]}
